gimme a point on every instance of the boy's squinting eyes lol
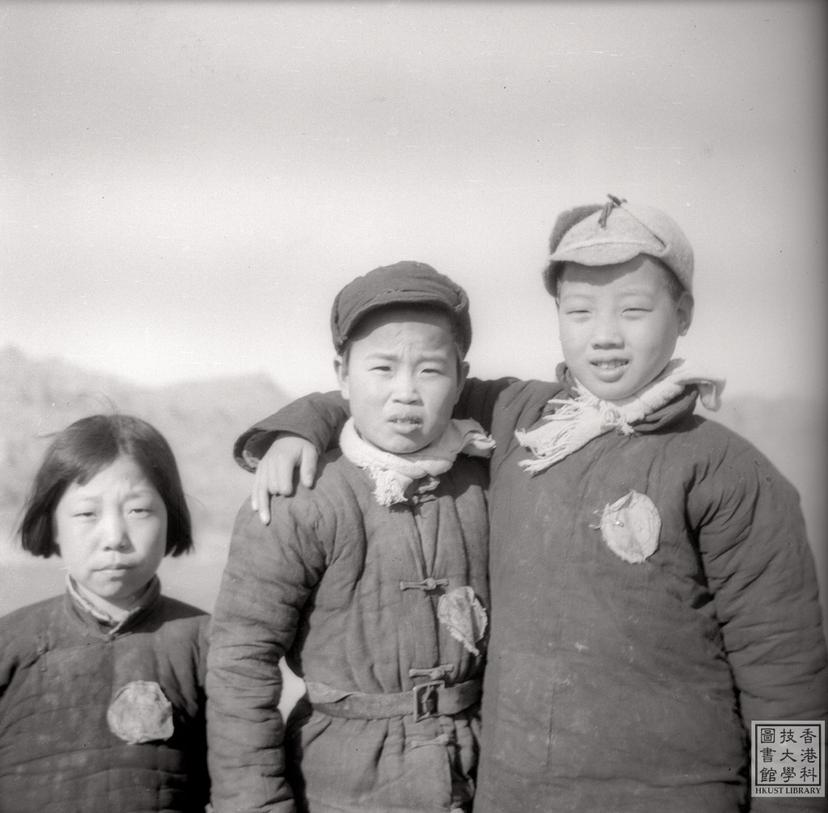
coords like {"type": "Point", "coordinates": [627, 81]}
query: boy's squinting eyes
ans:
{"type": "Point", "coordinates": [619, 324]}
{"type": "Point", "coordinates": [402, 379]}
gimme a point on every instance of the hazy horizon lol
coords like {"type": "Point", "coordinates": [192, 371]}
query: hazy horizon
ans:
{"type": "Point", "coordinates": [187, 185]}
{"type": "Point", "coordinates": [201, 422]}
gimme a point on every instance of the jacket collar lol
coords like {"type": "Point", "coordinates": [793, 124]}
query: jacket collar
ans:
{"type": "Point", "coordinates": [94, 618]}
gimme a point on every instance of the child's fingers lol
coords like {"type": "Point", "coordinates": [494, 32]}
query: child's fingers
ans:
{"type": "Point", "coordinates": [263, 502]}
{"type": "Point", "coordinates": [281, 473]}
{"type": "Point", "coordinates": [277, 469]}
{"type": "Point", "coordinates": [308, 464]}
{"type": "Point", "coordinates": [260, 501]}
{"type": "Point", "coordinates": [254, 492]}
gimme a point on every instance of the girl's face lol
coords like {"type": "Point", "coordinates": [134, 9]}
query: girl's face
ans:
{"type": "Point", "coordinates": [112, 533]}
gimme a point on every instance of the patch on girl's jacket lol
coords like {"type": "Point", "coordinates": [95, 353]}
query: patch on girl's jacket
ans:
{"type": "Point", "coordinates": [462, 614]}
{"type": "Point", "coordinates": [631, 526]}
{"type": "Point", "coordinates": [140, 712]}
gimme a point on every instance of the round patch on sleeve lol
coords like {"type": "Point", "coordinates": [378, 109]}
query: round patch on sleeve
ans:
{"type": "Point", "coordinates": [140, 712]}
{"type": "Point", "coordinates": [631, 526]}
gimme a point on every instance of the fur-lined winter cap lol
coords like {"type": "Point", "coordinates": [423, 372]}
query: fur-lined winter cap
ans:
{"type": "Point", "coordinates": [404, 283]}
{"type": "Point", "coordinates": [614, 233]}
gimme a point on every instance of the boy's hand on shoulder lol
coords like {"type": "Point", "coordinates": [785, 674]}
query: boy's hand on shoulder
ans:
{"type": "Point", "coordinates": [276, 471]}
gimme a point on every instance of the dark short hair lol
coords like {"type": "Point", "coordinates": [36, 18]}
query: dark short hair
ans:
{"type": "Point", "coordinates": [86, 447]}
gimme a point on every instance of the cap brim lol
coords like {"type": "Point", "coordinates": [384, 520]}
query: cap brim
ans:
{"type": "Point", "coordinates": [610, 253]}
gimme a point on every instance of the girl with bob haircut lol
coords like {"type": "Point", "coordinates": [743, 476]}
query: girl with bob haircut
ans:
{"type": "Point", "coordinates": [102, 688]}
{"type": "Point", "coordinates": [79, 452]}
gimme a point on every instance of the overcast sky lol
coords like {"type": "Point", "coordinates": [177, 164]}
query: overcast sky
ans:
{"type": "Point", "coordinates": [185, 186]}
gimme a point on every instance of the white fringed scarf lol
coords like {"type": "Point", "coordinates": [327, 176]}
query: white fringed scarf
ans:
{"type": "Point", "coordinates": [393, 474]}
{"type": "Point", "coordinates": [579, 420]}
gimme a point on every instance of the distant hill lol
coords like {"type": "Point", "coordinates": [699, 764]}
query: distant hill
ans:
{"type": "Point", "coordinates": [200, 420]}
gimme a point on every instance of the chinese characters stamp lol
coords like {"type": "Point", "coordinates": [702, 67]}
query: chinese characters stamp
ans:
{"type": "Point", "coordinates": [787, 758]}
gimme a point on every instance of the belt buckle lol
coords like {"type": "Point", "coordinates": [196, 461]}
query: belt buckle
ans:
{"type": "Point", "coordinates": [425, 699]}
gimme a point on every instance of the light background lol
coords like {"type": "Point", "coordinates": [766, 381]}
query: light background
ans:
{"type": "Point", "coordinates": [185, 186]}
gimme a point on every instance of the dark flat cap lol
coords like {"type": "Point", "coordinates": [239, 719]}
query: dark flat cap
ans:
{"type": "Point", "coordinates": [403, 283]}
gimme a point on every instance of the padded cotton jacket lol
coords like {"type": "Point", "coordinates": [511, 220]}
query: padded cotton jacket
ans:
{"type": "Point", "coordinates": [332, 583]}
{"type": "Point", "coordinates": [619, 685]}
{"type": "Point", "coordinates": [631, 686]}
{"type": "Point", "coordinates": [63, 689]}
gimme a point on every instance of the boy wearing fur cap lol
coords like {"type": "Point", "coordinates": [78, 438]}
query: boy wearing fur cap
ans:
{"type": "Point", "coordinates": [653, 591]}
{"type": "Point", "coordinates": [373, 584]}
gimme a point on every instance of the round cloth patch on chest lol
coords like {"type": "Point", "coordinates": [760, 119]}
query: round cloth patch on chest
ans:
{"type": "Point", "coordinates": [462, 614]}
{"type": "Point", "coordinates": [140, 712]}
{"type": "Point", "coordinates": [631, 526]}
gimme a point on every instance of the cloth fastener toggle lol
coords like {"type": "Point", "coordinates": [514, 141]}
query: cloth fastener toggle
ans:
{"type": "Point", "coordinates": [440, 672]}
{"type": "Point", "coordinates": [428, 585]}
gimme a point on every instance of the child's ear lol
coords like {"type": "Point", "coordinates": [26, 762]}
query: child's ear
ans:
{"type": "Point", "coordinates": [684, 311]}
{"type": "Point", "coordinates": [341, 370]}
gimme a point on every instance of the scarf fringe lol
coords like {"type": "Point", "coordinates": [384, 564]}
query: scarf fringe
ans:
{"type": "Point", "coordinates": [392, 474]}
{"type": "Point", "coordinates": [577, 421]}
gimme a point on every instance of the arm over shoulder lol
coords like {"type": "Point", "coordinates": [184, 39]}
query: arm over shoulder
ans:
{"type": "Point", "coordinates": [506, 404]}
{"type": "Point", "coordinates": [479, 399]}
{"type": "Point", "coordinates": [318, 417]}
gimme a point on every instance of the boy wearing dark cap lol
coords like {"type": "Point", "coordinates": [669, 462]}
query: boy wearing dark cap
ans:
{"type": "Point", "coordinates": [373, 584]}
{"type": "Point", "coordinates": [653, 591]}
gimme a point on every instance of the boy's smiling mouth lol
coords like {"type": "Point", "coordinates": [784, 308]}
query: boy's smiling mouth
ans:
{"type": "Point", "coordinates": [609, 364]}
{"type": "Point", "coordinates": [406, 421]}
{"type": "Point", "coordinates": [609, 370]}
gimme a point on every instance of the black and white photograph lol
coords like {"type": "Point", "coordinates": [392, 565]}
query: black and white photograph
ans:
{"type": "Point", "coordinates": [413, 406]}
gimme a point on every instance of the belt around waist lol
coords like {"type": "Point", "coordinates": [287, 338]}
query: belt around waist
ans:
{"type": "Point", "coordinates": [432, 699]}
